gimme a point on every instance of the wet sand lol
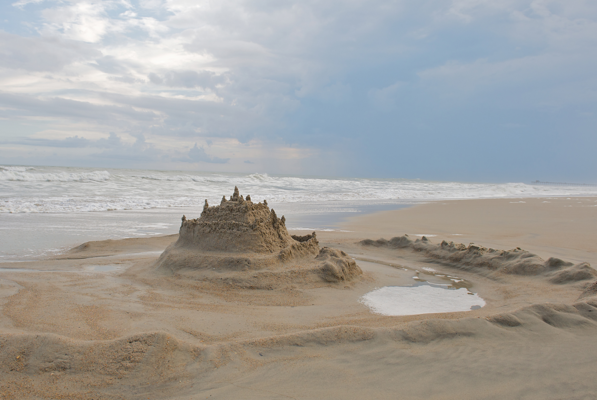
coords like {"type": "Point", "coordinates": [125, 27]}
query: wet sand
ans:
{"type": "Point", "coordinates": [100, 322]}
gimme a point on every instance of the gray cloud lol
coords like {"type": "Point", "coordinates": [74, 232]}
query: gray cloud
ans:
{"type": "Point", "coordinates": [110, 65]}
{"type": "Point", "coordinates": [183, 117]}
{"type": "Point", "coordinates": [187, 79]}
{"type": "Point", "coordinates": [69, 142]}
{"type": "Point", "coordinates": [158, 115]}
{"type": "Point", "coordinates": [113, 141]}
{"type": "Point", "coordinates": [29, 105]}
{"type": "Point", "coordinates": [198, 154]}
{"type": "Point", "coordinates": [139, 151]}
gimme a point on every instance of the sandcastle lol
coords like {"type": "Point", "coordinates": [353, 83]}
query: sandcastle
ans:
{"type": "Point", "coordinates": [245, 242]}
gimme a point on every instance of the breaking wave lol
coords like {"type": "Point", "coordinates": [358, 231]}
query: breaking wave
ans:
{"type": "Point", "coordinates": [20, 174]}
{"type": "Point", "coordinates": [55, 190]}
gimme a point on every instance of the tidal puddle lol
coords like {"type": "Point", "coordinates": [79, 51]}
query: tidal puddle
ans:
{"type": "Point", "coordinates": [421, 298]}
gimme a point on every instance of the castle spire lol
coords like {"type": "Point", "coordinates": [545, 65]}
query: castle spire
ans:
{"type": "Point", "coordinates": [236, 194]}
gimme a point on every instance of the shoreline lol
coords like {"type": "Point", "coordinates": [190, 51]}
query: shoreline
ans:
{"type": "Point", "coordinates": [143, 223]}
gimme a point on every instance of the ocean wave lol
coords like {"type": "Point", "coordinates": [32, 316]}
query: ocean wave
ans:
{"type": "Point", "coordinates": [15, 169]}
{"type": "Point", "coordinates": [23, 176]}
{"type": "Point", "coordinates": [55, 189]}
{"type": "Point", "coordinates": [65, 204]}
{"type": "Point", "coordinates": [259, 177]}
{"type": "Point", "coordinates": [182, 178]}
{"type": "Point", "coordinates": [179, 178]}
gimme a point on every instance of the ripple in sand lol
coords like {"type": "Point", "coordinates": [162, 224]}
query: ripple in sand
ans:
{"type": "Point", "coordinates": [423, 298]}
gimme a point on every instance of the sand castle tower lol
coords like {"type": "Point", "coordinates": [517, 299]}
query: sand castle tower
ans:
{"type": "Point", "coordinates": [240, 236]}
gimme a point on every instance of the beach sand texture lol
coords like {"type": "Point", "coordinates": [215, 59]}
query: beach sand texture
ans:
{"type": "Point", "coordinates": [120, 319]}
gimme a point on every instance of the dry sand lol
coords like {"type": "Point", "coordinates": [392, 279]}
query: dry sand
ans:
{"type": "Point", "coordinates": [101, 322]}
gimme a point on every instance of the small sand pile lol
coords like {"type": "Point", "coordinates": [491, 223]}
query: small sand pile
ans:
{"type": "Point", "coordinates": [478, 258]}
{"type": "Point", "coordinates": [246, 244]}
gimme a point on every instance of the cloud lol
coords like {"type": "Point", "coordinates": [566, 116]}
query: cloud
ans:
{"type": "Point", "coordinates": [113, 141]}
{"type": "Point", "coordinates": [81, 20]}
{"type": "Point", "coordinates": [138, 152]}
{"type": "Point", "coordinates": [50, 54]}
{"type": "Point", "coordinates": [23, 3]}
{"type": "Point", "coordinates": [521, 81]}
{"type": "Point", "coordinates": [385, 98]}
{"type": "Point", "coordinates": [111, 65]}
{"type": "Point", "coordinates": [69, 142]}
{"type": "Point", "coordinates": [198, 154]}
{"type": "Point", "coordinates": [57, 107]}
{"type": "Point", "coordinates": [359, 77]}
{"type": "Point", "coordinates": [187, 79]}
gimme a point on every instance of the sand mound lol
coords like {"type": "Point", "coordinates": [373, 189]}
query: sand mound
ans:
{"type": "Point", "coordinates": [579, 272]}
{"type": "Point", "coordinates": [337, 266]}
{"type": "Point", "coordinates": [477, 258]}
{"type": "Point", "coordinates": [590, 291]}
{"type": "Point", "coordinates": [245, 244]}
{"type": "Point", "coordinates": [51, 366]}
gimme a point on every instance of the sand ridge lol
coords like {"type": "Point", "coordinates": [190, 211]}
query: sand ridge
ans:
{"type": "Point", "coordinates": [474, 257]}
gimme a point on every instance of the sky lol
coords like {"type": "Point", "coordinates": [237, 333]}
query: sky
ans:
{"type": "Point", "coordinates": [466, 90]}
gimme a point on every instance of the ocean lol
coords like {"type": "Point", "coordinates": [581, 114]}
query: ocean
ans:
{"type": "Point", "coordinates": [45, 210]}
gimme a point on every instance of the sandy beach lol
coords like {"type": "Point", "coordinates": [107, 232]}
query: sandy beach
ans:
{"type": "Point", "coordinates": [298, 200]}
{"type": "Point", "coordinates": [102, 321]}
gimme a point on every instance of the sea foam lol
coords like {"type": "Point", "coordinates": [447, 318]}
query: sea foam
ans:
{"type": "Point", "coordinates": [55, 190]}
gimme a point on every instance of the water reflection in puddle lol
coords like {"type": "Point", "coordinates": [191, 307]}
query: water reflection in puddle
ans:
{"type": "Point", "coordinates": [422, 298]}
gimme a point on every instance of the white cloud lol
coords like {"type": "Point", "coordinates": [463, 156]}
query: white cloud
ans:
{"type": "Point", "coordinates": [23, 3]}
{"type": "Point", "coordinates": [84, 21]}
